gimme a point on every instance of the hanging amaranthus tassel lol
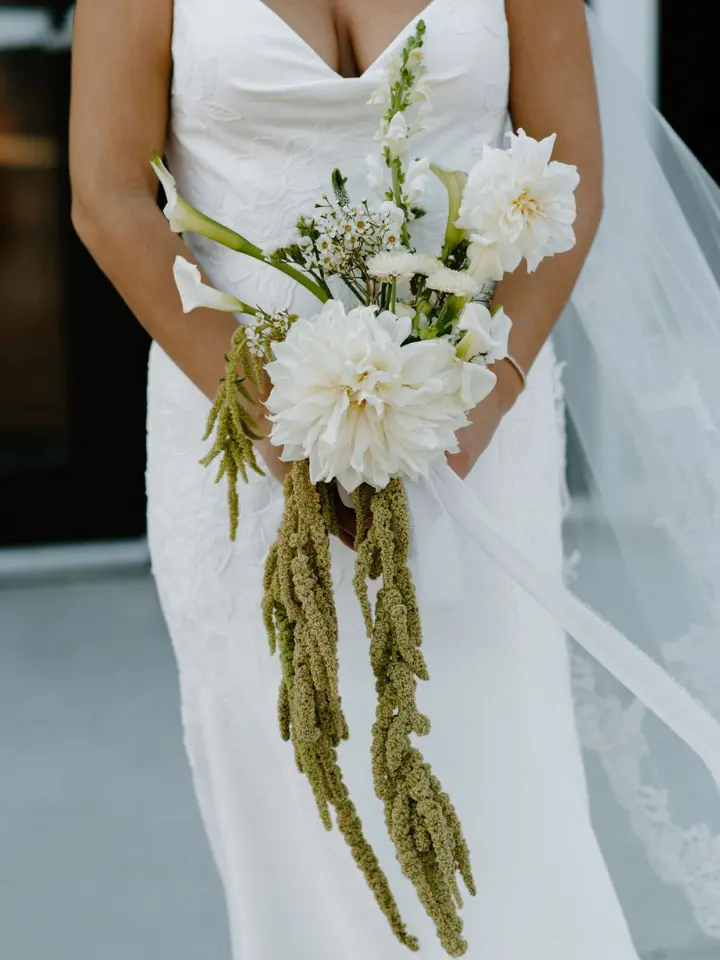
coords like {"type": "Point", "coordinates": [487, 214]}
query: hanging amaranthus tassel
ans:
{"type": "Point", "coordinates": [421, 819]}
{"type": "Point", "coordinates": [233, 424]}
{"type": "Point", "coordinates": [300, 616]}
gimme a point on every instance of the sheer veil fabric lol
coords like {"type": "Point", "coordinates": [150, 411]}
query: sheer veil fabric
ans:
{"type": "Point", "coordinates": [258, 122]}
{"type": "Point", "coordinates": [641, 344]}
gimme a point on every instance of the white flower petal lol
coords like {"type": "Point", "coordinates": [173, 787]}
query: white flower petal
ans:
{"type": "Point", "coordinates": [394, 136]}
{"type": "Point", "coordinates": [519, 205]}
{"type": "Point", "coordinates": [361, 406]}
{"type": "Point", "coordinates": [416, 180]}
{"type": "Point", "coordinates": [476, 384]}
{"type": "Point", "coordinates": [457, 282]}
{"type": "Point", "coordinates": [486, 334]}
{"type": "Point", "coordinates": [182, 217]}
{"type": "Point", "coordinates": [194, 293]}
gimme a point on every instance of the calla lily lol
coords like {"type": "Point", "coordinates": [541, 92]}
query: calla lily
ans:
{"type": "Point", "coordinates": [487, 333]}
{"type": "Point", "coordinates": [194, 293]}
{"type": "Point", "coordinates": [186, 219]}
{"type": "Point", "coordinates": [180, 215]}
{"type": "Point", "coordinates": [454, 182]}
{"type": "Point", "coordinates": [476, 383]}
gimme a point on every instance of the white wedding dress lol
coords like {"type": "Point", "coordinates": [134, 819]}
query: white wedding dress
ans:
{"type": "Point", "coordinates": [258, 122]}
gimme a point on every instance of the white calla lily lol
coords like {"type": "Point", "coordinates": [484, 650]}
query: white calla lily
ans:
{"type": "Point", "coordinates": [476, 383]}
{"type": "Point", "coordinates": [182, 217]}
{"type": "Point", "coordinates": [194, 293]}
{"type": "Point", "coordinates": [486, 333]}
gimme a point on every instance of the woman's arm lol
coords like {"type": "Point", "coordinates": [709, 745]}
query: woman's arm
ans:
{"type": "Point", "coordinates": [119, 113]}
{"type": "Point", "coordinates": [552, 90]}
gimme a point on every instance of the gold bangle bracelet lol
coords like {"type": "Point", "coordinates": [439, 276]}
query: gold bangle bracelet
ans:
{"type": "Point", "coordinates": [518, 369]}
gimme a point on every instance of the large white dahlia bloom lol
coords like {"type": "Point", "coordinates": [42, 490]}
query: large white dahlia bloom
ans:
{"type": "Point", "coordinates": [348, 396]}
{"type": "Point", "coordinates": [517, 205]}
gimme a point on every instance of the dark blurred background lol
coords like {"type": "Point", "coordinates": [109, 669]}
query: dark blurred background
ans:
{"type": "Point", "coordinates": [71, 449]}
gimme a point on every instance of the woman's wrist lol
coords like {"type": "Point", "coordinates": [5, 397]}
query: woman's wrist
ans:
{"type": "Point", "coordinates": [510, 383]}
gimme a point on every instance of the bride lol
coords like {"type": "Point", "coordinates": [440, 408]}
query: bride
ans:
{"type": "Point", "coordinates": [253, 104]}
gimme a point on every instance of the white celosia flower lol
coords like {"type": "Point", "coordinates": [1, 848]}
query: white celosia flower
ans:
{"type": "Point", "coordinates": [194, 293]}
{"type": "Point", "coordinates": [393, 136]}
{"type": "Point", "coordinates": [181, 216]}
{"type": "Point", "coordinates": [362, 407]}
{"type": "Point", "coordinates": [457, 282]}
{"type": "Point", "coordinates": [400, 264]}
{"type": "Point", "coordinates": [518, 205]}
{"type": "Point", "coordinates": [416, 179]}
{"type": "Point", "coordinates": [486, 333]}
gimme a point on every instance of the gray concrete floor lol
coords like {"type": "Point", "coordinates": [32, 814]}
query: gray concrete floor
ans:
{"type": "Point", "coordinates": [102, 852]}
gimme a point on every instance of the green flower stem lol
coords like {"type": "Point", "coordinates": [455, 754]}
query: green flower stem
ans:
{"type": "Point", "coordinates": [398, 177]}
{"type": "Point", "coordinates": [452, 308]}
{"type": "Point", "coordinates": [235, 241]}
{"type": "Point", "coordinates": [393, 295]}
{"type": "Point", "coordinates": [246, 308]}
{"type": "Point", "coordinates": [353, 289]}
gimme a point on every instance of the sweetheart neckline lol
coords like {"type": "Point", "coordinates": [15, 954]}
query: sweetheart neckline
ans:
{"type": "Point", "coordinates": [323, 62]}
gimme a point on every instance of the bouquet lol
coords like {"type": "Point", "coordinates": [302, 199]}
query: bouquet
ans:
{"type": "Point", "coordinates": [364, 398]}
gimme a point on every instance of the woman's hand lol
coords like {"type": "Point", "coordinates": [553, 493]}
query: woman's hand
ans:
{"type": "Point", "coordinates": [271, 458]}
{"type": "Point", "coordinates": [485, 419]}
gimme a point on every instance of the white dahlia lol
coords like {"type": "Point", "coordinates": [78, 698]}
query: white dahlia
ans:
{"type": "Point", "coordinates": [517, 205]}
{"type": "Point", "coordinates": [348, 396]}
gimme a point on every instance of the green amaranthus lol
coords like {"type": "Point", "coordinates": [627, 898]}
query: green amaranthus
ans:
{"type": "Point", "coordinates": [299, 605]}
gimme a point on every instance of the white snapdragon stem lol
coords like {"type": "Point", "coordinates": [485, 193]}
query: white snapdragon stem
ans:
{"type": "Point", "coordinates": [194, 293]}
{"type": "Point", "coordinates": [394, 138]}
{"type": "Point", "coordinates": [416, 178]}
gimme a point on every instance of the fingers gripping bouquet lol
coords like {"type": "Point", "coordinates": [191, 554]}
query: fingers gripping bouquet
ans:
{"type": "Point", "coordinates": [363, 399]}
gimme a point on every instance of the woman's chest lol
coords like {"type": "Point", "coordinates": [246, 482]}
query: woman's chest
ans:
{"type": "Point", "coordinates": [242, 62]}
